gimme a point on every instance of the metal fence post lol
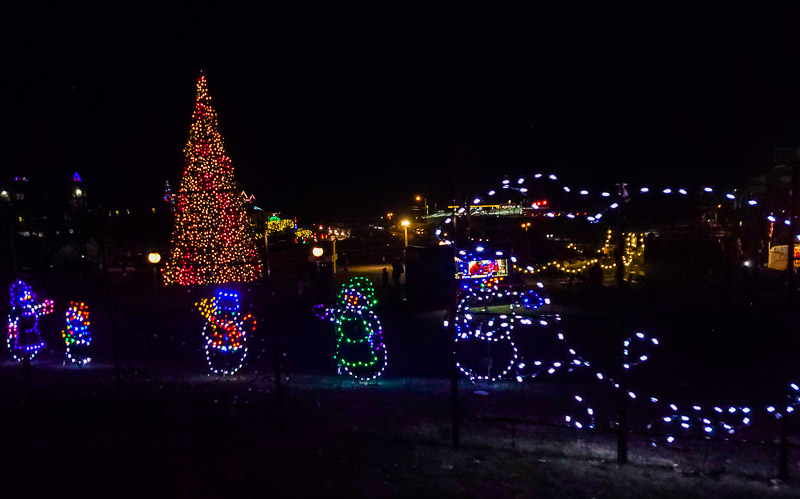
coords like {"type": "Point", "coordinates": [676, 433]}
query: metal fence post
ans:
{"type": "Point", "coordinates": [622, 430]}
{"type": "Point", "coordinates": [278, 382]}
{"type": "Point", "coordinates": [783, 464]}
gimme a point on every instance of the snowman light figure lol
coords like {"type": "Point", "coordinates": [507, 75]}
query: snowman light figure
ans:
{"type": "Point", "coordinates": [23, 338]}
{"type": "Point", "coordinates": [225, 332]}
{"type": "Point", "coordinates": [77, 336]}
{"type": "Point", "coordinates": [360, 351]}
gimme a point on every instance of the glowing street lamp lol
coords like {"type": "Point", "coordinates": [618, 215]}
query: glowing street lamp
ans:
{"type": "Point", "coordinates": [419, 198]}
{"type": "Point", "coordinates": [405, 224]}
{"type": "Point", "coordinates": [316, 251]}
{"type": "Point", "coordinates": [154, 258]}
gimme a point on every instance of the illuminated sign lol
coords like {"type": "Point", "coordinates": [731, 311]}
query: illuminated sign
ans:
{"type": "Point", "coordinates": [778, 257]}
{"type": "Point", "coordinates": [477, 269]}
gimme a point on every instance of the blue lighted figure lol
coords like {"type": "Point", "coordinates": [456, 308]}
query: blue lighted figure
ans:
{"type": "Point", "coordinates": [224, 332]}
{"type": "Point", "coordinates": [360, 351]}
{"type": "Point", "coordinates": [484, 341]}
{"type": "Point", "coordinates": [23, 339]}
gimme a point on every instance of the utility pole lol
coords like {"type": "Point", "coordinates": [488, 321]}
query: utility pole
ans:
{"type": "Point", "coordinates": [622, 430]}
{"type": "Point", "coordinates": [110, 305]}
{"type": "Point", "coordinates": [266, 247]}
{"type": "Point", "coordinates": [618, 258]}
{"type": "Point", "coordinates": [451, 329]}
{"type": "Point", "coordinates": [333, 256]}
{"type": "Point", "coordinates": [11, 235]}
{"type": "Point", "coordinates": [790, 273]}
{"type": "Point", "coordinates": [790, 157]}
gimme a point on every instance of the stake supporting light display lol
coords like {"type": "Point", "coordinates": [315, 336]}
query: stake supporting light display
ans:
{"type": "Point", "coordinates": [360, 351]}
{"type": "Point", "coordinates": [212, 241]}
{"type": "Point", "coordinates": [225, 332]}
{"type": "Point", "coordinates": [76, 335]}
{"type": "Point", "coordinates": [24, 339]}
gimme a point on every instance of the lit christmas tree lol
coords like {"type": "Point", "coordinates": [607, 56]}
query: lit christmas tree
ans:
{"type": "Point", "coordinates": [212, 241]}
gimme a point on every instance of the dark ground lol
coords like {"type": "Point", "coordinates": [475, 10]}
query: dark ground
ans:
{"type": "Point", "coordinates": [176, 430]}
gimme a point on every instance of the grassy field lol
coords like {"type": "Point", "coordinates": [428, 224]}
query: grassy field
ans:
{"type": "Point", "coordinates": [194, 436]}
{"type": "Point", "coordinates": [176, 431]}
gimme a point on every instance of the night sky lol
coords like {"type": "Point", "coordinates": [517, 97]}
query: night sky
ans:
{"type": "Point", "coordinates": [341, 111]}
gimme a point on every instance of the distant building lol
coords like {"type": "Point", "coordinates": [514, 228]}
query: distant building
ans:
{"type": "Point", "coordinates": [43, 219]}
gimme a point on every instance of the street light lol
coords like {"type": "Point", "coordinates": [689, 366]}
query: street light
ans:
{"type": "Point", "coordinates": [154, 258]}
{"type": "Point", "coordinates": [419, 198]}
{"type": "Point", "coordinates": [333, 237]}
{"type": "Point", "coordinates": [316, 251]}
{"type": "Point", "coordinates": [405, 224]}
{"type": "Point", "coordinates": [266, 249]}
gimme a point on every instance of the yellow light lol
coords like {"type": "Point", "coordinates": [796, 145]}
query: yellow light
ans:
{"type": "Point", "coordinates": [419, 198]}
{"type": "Point", "coordinates": [316, 251]}
{"type": "Point", "coordinates": [405, 223]}
{"type": "Point", "coordinates": [154, 258]}
{"type": "Point", "coordinates": [275, 226]}
{"type": "Point", "coordinates": [302, 233]}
